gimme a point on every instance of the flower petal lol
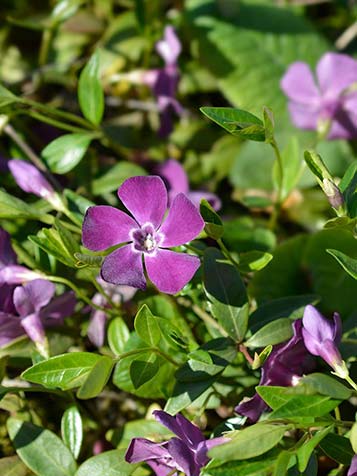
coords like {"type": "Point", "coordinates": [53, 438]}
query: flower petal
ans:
{"type": "Point", "coordinates": [16, 274]}
{"type": "Point", "coordinates": [335, 72]}
{"type": "Point", "coordinates": [330, 353]}
{"type": "Point", "coordinates": [182, 427]}
{"type": "Point", "coordinates": [145, 198]}
{"type": "Point", "coordinates": [174, 176]}
{"type": "Point", "coordinates": [183, 222]}
{"type": "Point", "coordinates": [96, 328]}
{"type": "Point", "coordinates": [170, 271]}
{"type": "Point", "coordinates": [183, 457]}
{"type": "Point", "coordinates": [169, 47]}
{"type": "Point", "coordinates": [317, 325]}
{"type": "Point", "coordinates": [124, 266]}
{"type": "Point", "coordinates": [211, 198]}
{"type": "Point", "coordinates": [302, 116]}
{"type": "Point", "coordinates": [7, 254]}
{"type": "Point", "coordinates": [10, 328]}
{"type": "Point", "coordinates": [252, 408]}
{"type": "Point", "coordinates": [59, 308]}
{"type": "Point", "coordinates": [33, 327]}
{"type": "Point", "coordinates": [353, 468]}
{"type": "Point", "coordinates": [141, 449]}
{"type": "Point", "coordinates": [106, 226]}
{"type": "Point", "coordinates": [30, 179]}
{"type": "Point", "coordinates": [33, 296]}
{"type": "Point", "coordinates": [299, 85]}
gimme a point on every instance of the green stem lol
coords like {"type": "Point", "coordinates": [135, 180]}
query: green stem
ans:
{"type": "Point", "coordinates": [226, 252]}
{"type": "Point", "coordinates": [47, 37]}
{"type": "Point", "coordinates": [351, 382]}
{"type": "Point", "coordinates": [54, 122]}
{"type": "Point", "coordinates": [106, 296]}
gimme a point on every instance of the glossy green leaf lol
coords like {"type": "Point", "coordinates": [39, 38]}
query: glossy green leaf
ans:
{"type": "Point", "coordinates": [213, 223]}
{"type": "Point", "coordinates": [13, 466]}
{"type": "Point", "coordinates": [96, 379]}
{"type": "Point", "coordinates": [305, 451]}
{"type": "Point", "coordinates": [40, 449]}
{"type": "Point", "coordinates": [292, 165]}
{"type": "Point", "coordinates": [115, 176]}
{"type": "Point", "coordinates": [338, 448]}
{"type": "Point", "coordinates": [49, 240]}
{"type": "Point", "coordinates": [305, 406]}
{"type": "Point", "coordinates": [118, 335]}
{"type": "Point", "coordinates": [72, 429]}
{"type": "Point", "coordinates": [249, 442]}
{"type": "Point", "coordinates": [272, 333]}
{"type": "Point", "coordinates": [236, 121]}
{"type": "Point", "coordinates": [226, 293]}
{"type": "Point", "coordinates": [353, 437]}
{"type": "Point", "coordinates": [348, 264]}
{"type": "Point", "coordinates": [90, 91]}
{"type": "Point", "coordinates": [64, 153]}
{"type": "Point", "coordinates": [260, 467]}
{"type": "Point", "coordinates": [142, 371]}
{"type": "Point", "coordinates": [326, 385]}
{"type": "Point", "coordinates": [275, 396]}
{"type": "Point", "coordinates": [146, 326]}
{"type": "Point", "coordinates": [282, 463]}
{"type": "Point", "coordinates": [12, 207]}
{"type": "Point", "coordinates": [109, 463]}
{"type": "Point", "coordinates": [63, 371]}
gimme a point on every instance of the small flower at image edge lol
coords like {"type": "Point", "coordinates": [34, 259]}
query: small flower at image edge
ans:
{"type": "Point", "coordinates": [322, 337]}
{"type": "Point", "coordinates": [146, 237]}
{"type": "Point", "coordinates": [353, 468]}
{"type": "Point", "coordinates": [187, 453]}
{"type": "Point", "coordinates": [328, 105]}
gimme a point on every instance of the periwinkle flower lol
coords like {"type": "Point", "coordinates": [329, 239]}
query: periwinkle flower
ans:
{"type": "Point", "coordinates": [322, 337]}
{"type": "Point", "coordinates": [328, 103]}
{"type": "Point", "coordinates": [284, 367]}
{"type": "Point", "coordinates": [176, 180]}
{"type": "Point", "coordinates": [34, 309]}
{"type": "Point", "coordinates": [146, 236]}
{"type": "Point", "coordinates": [31, 180]}
{"type": "Point", "coordinates": [187, 453]}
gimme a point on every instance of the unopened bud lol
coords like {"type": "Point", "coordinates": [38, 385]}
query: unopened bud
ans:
{"type": "Point", "coordinates": [332, 193]}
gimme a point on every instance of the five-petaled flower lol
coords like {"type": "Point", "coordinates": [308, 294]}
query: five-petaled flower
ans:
{"type": "Point", "coordinates": [329, 104]}
{"type": "Point", "coordinates": [322, 338]}
{"type": "Point", "coordinates": [147, 236]}
{"type": "Point", "coordinates": [187, 453]}
{"type": "Point", "coordinates": [286, 364]}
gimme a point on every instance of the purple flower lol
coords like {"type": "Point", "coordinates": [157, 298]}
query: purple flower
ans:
{"type": "Point", "coordinates": [176, 180]}
{"type": "Point", "coordinates": [187, 453]}
{"type": "Point", "coordinates": [97, 323]}
{"type": "Point", "coordinates": [284, 367]}
{"type": "Point", "coordinates": [332, 99]}
{"type": "Point", "coordinates": [146, 236]}
{"type": "Point", "coordinates": [32, 311]}
{"type": "Point", "coordinates": [322, 337]}
{"type": "Point", "coordinates": [353, 468]}
{"type": "Point", "coordinates": [31, 180]}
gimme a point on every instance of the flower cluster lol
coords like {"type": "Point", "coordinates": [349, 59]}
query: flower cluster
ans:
{"type": "Point", "coordinates": [145, 235]}
{"type": "Point", "coordinates": [187, 453]}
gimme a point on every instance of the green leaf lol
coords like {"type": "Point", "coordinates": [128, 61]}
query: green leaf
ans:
{"type": "Point", "coordinates": [348, 264]}
{"type": "Point", "coordinates": [115, 176]}
{"type": "Point", "coordinates": [272, 333]}
{"type": "Point", "coordinates": [13, 466]}
{"type": "Point", "coordinates": [49, 240]}
{"type": "Point", "coordinates": [282, 463]}
{"type": "Point", "coordinates": [118, 335]}
{"type": "Point", "coordinates": [142, 371]}
{"type": "Point", "coordinates": [77, 203]}
{"type": "Point", "coordinates": [269, 124]}
{"type": "Point", "coordinates": [64, 153]}
{"type": "Point", "coordinates": [236, 121]}
{"type": "Point", "coordinates": [96, 379]}
{"type": "Point", "coordinates": [326, 385]}
{"type": "Point", "coordinates": [6, 97]}
{"type": "Point", "coordinates": [72, 429]}
{"type": "Point", "coordinates": [41, 450]}
{"type": "Point", "coordinates": [109, 463]}
{"type": "Point", "coordinates": [12, 207]}
{"type": "Point", "coordinates": [353, 437]}
{"type": "Point", "coordinates": [67, 238]}
{"type": "Point", "coordinates": [305, 451]}
{"type": "Point", "coordinates": [249, 442]}
{"type": "Point", "coordinates": [292, 167]}
{"type": "Point", "coordinates": [226, 292]}
{"type": "Point", "coordinates": [63, 371]}
{"type": "Point", "coordinates": [213, 223]}
{"type": "Point", "coordinates": [64, 9]}
{"type": "Point", "coordinates": [146, 326]}
{"type": "Point", "coordinates": [316, 165]}
{"type": "Point", "coordinates": [90, 91]}
{"type": "Point", "coordinates": [253, 261]}
{"type": "Point", "coordinates": [338, 448]}
{"type": "Point", "coordinates": [305, 406]}
{"type": "Point", "coordinates": [275, 396]}
{"type": "Point", "coordinates": [262, 467]}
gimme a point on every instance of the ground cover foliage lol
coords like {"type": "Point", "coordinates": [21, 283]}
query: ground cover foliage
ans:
{"type": "Point", "coordinates": [178, 258]}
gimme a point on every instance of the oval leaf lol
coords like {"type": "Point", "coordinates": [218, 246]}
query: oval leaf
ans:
{"type": "Point", "coordinates": [90, 92]}
{"type": "Point", "coordinates": [72, 429]}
